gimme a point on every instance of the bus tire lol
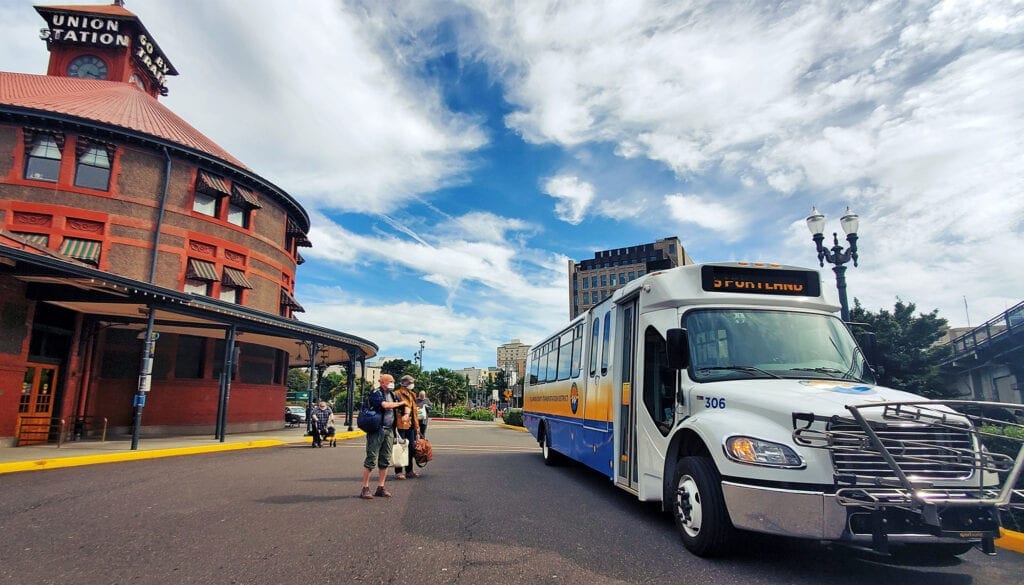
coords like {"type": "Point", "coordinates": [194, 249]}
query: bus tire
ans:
{"type": "Point", "coordinates": [698, 508]}
{"type": "Point", "coordinates": [551, 457]}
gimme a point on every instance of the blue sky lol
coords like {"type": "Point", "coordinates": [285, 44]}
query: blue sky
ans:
{"type": "Point", "coordinates": [454, 155]}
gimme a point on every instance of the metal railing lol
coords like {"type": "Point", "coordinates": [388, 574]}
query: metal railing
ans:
{"type": "Point", "coordinates": [1010, 322]}
{"type": "Point", "coordinates": [38, 430]}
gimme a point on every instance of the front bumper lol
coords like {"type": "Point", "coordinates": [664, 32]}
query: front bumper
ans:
{"type": "Point", "coordinates": [821, 516]}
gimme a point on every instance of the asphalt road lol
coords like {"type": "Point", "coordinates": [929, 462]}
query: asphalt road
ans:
{"type": "Point", "coordinates": [486, 511]}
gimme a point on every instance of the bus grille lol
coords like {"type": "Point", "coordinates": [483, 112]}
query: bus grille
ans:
{"type": "Point", "coordinates": [922, 452]}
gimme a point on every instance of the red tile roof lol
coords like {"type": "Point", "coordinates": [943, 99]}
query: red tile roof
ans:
{"type": "Point", "coordinates": [106, 102]}
{"type": "Point", "coordinates": [108, 9]}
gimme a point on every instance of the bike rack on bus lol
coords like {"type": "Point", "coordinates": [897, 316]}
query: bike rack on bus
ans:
{"type": "Point", "coordinates": [923, 456]}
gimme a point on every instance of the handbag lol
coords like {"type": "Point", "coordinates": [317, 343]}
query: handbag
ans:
{"type": "Point", "coordinates": [369, 419]}
{"type": "Point", "coordinates": [424, 452]}
{"type": "Point", "coordinates": [421, 413]}
{"type": "Point", "coordinates": [400, 454]}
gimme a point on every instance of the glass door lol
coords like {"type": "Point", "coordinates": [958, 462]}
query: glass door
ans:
{"type": "Point", "coordinates": [35, 405]}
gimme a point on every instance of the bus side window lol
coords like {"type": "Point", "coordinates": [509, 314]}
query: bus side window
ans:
{"type": "Point", "coordinates": [595, 340]}
{"type": "Point", "coordinates": [604, 349]}
{"type": "Point", "coordinates": [659, 381]}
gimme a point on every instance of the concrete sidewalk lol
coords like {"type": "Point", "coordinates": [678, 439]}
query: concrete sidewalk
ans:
{"type": "Point", "coordinates": [91, 452]}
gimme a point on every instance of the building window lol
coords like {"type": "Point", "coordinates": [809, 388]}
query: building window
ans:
{"type": "Point", "coordinates": [584, 283]}
{"type": "Point", "coordinates": [672, 249]}
{"type": "Point", "coordinates": [208, 191]}
{"type": "Point", "coordinates": [242, 202]}
{"type": "Point", "coordinates": [611, 280]}
{"type": "Point", "coordinates": [205, 204]}
{"type": "Point", "coordinates": [604, 280]}
{"type": "Point", "coordinates": [92, 170]}
{"type": "Point", "coordinates": [622, 278]}
{"type": "Point", "coordinates": [86, 251]}
{"type": "Point", "coordinates": [43, 160]}
{"type": "Point", "coordinates": [190, 358]}
{"type": "Point", "coordinates": [232, 284]}
{"type": "Point", "coordinates": [632, 275]}
{"type": "Point", "coordinates": [200, 276]}
{"type": "Point", "coordinates": [238, 215]}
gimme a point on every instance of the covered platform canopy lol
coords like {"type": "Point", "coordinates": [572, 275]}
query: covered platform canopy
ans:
{"type": "Point", "coordinates": [108, 297]}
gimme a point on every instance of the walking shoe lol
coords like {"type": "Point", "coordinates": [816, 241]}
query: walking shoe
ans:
{"type": "Point", "coordinates": [381, 492]}
{"type": "Point", "coordinates": [400, 476]}
{"type": "Point", "coordinates": [414, 474]}
{"type": "Point", "coordinates": [365, 494]}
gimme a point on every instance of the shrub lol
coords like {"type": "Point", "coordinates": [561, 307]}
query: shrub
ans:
{"type": "Point", "coordinates": [481, 414]}
{"type": "Point", "coordinates": [456, 412]}
{"type": "Point", "coordinates": [1010, 445]}
{"type": "Point", "coordinates": [514, 417]}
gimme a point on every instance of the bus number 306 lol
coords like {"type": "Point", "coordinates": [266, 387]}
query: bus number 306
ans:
{"type": "Point", "coordinates": [710, 402]}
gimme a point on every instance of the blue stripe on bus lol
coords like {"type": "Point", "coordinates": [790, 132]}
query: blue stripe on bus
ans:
{"type": "Point", "coordinates": [590, 444]}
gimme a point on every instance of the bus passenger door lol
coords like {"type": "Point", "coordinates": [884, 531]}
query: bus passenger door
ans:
{"type": "Point", "coordinates": [625, 418]}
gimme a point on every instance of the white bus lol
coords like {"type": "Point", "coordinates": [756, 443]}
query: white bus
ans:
{"type": "Point", "coordinates": [733, 394]}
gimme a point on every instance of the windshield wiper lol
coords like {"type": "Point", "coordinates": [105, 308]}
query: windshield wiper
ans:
{"type": "Point", "coordinates": [843, 375]}
{"type": "Point", "coordinates": [745, 369]}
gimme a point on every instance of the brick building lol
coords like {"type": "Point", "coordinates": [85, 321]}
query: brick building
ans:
{"type": "Point", "coordinates": [138, 259]}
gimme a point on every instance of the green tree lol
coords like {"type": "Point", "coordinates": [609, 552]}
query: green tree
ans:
{"type": "Point", "coordinates": [397, 368]}
{"type": "Point", "coordinates": [332, 386]}
{"type": "Point", "coordinates": [906, 348]}
{"type": "Point", "coordinates": [298, 380]}
{"type": "Point", "coordinates": [446, 387]}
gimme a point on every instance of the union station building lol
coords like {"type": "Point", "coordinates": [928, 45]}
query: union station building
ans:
{"type": "Point", "coordinates": [147, 276]}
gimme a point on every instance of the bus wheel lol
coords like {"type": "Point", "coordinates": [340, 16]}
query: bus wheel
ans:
{"type": "Point", "coordinates": [551, 457]}
{"type": "Point", "coordinates": [699, 508]}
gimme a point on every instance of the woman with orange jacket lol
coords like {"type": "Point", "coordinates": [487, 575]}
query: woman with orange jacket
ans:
{"type": "Point", "coordinates": [407, 425]}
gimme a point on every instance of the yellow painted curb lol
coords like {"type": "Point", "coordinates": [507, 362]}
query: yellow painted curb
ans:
{"type": "Point", "coordinates": [1011, 540]}
{"type": "Point", "coordinates": [514, 428]}
{"type": "Point", "coordinates": [59, 462]}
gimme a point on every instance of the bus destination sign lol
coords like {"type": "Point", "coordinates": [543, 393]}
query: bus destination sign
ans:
{"type": "Point", "coordinates": [760, 281]}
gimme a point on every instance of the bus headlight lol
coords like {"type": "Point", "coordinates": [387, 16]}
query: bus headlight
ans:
{"type": "Point", "coordinates": [758, 452]}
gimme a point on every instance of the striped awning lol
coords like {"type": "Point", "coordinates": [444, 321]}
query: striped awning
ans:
{"type": "Point", "coordinates": [85, 250]}
{"type": "Point", "coordinates": [289, 301]}
{"type": "Point", "coordinates": [202, 270]}
{"type": "Point", "coordinates": [293, 228]}
{"type": "Point", "coordinates": [37, 239]}
{"type": "Point", "coordinates": [211, 184]}
{"type": "Point", "coordinates": [244, 196]}
{"type": "Point", "coordinates": [234, 277]}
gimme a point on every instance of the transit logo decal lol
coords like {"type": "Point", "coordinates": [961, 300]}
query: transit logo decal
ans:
{"type": "Point", "coordinates": [838, 387]}
{"type": "Point", "coordinates": [574, 398]}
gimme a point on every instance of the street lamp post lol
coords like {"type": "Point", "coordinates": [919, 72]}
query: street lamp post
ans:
{"type": "Point", "coordinates": [836, 255]}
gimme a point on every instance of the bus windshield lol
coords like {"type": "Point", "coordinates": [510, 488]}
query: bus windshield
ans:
{"type": "Point", "coordinates": [734, 344]}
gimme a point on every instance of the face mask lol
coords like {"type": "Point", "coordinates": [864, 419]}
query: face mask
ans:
{"type": "Point", "coordinates": [391, 386]}
{"type": "Point", "coordinates": [411, 386]}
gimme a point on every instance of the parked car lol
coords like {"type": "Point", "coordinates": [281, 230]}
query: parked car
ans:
{"type": "Point", "coordinates": [295, 415]}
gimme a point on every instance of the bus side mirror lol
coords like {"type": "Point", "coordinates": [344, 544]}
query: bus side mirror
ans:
{"type": "Point", "coordinates": [678, 349]}
{"type": "Point", "coordinates": [866, 340]}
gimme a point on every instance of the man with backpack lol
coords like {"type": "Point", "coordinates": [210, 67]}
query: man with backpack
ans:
{"type": "Point", "coordinates": [378, 443]}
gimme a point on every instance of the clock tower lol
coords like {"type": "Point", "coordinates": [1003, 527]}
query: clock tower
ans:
{"type": "Point", "coordinates": [104, 42]}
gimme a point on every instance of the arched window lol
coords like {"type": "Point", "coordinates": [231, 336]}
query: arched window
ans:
{"type": "Point", "coordinates": [42, 163]}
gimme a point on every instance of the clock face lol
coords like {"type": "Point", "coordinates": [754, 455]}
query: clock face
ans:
{"type": "Point", "coordinates": [88, 66]}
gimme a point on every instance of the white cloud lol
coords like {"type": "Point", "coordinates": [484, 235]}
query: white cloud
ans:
{"type": "Point", "coordinates": [693, 209]}
{"type": "Point", "coordinates": [573, 195]}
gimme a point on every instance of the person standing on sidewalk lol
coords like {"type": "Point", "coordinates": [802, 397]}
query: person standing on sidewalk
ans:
{"type": "Point", "coordinates": [378, 444]}
{"type": "Point", "coordinates": [322, 416]}
{"type": "Point", "coordinates": [408, 425]}
{"type": "Point", "coordinates": [423, 406]}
